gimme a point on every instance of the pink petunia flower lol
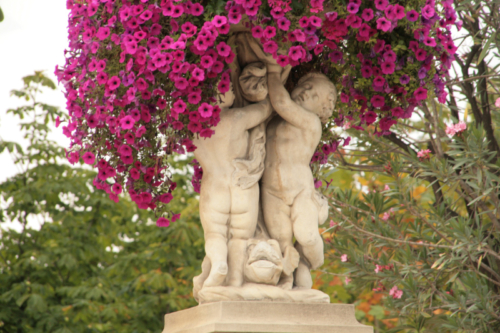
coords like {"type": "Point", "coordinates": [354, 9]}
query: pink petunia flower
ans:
{"type": "Point", "coordinates": [420, 94]}
{"type": "Point", "coordinates": [162, 222]}
{"type": "Point", "coordinates": [205, 110]}
{"type": "Point", "coordinates": [88, 158]}
{"type": "Point", "coordinates": [127, 122]}
{"type": "Point", "coordinates": [367, 14]}
{"type": "Point", "coordinates": [383, 24]}
{"type": "Point", "coordinates": [428, 12]}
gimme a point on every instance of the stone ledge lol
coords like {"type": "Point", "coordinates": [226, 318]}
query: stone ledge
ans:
{"type": "Point", "coordinates": [269, 317]}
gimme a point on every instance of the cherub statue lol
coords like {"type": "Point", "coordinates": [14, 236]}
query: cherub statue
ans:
{"type": "Point", "coordinates": [233, 162]}
{"type": "Point", "coordinates": [229, 195]}
{"type": "Point", "coordinates": [291, 205]}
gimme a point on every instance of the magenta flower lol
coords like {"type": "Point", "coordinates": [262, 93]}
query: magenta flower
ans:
{"type": "Point", "coordinates": [219, 20]}
{"type": "Point", "coordinates": [315, 21]}
{"type": "Point", "coordinates": [114, 83]}
{"type": "Point", "coordinates": [383, 24]}
{"type": "Point", "coordinates": [330, 16]}
{"type": "Point", "coordinates": [166, 198]}
{"type": "Point", "coordinates": [450, 47]}
{"type": "Point", "coordinates": [198, 74]}
{"type": "Point", "coordinates": [428, 12]}
{"type": "Point", "coordinates": [404, 79]}
{"type": "Point", "coordinates": [399, 11]}
{"type": "Point", "coordinates": [420, 94]}
{"type": "Point", "coordinates": [283, 24]}
{"type": "Point", "coordinates": [370, 117]}
{"type": "Point", "coordinates": [103, 33]}
{"type": "Point", "coordinates": [223, 49]}
{"type": "Point", "coordinates": [304, 21]}
{"type": "Point", "coordinates": [135, 174]}
{"type": "Point", "coordinates": [386, 123]}
{"type": "Point", "coordinates": [223, 86]}
{"type": "Point", "coordinates": [194, 126]}
{"type": "Point", "coordinates": [388, 67]}
{"type": "Point", "coordinates": [117, 188]}
{"type": "Point", "coordinates": [282, 60]}
{"type": "Point", "coordinates": [234, 17]}
{"type": "Point", "coordinates": [364, 30]}
{"type": "Point", "coordinates": [140, 131]}
{"type": "Point", "coordinates": [412, 15]}
{"type": "Point", "coordinates": [162, 222]}
{"type": "Point", "coordinates": [127, 122]}
{"type": "Point", "coordinates": [269, 32]}
{"type": "Point", "coordinates": [389, 56]}
{"type": "Point", "coordinates": [257, 32]}
{"type": "Point", "coordinates": [421, 54]}
{"type": "Point", "coordinates": [381, 4]}
{"type": "Point", "coordinates": [397, 112]}
{"type": "Point", "coordinates": [429, 41]}
{"type": "Point", "coordinates": [270, 47]}
{"type": "Point", "coordinates": [125, 150]}
{"type": "Point", "coordinates": [377, 101]}
{"type": "Point", "coordinates": [367, 14]}
{"type": "Point", "coordinates": [197, 9]}
{"type": "Point", "coordinates": [206, 62]}
{"type": "Point", "coordinates": [296, 52]}
{"type": "Point", "coordinates": [205, 110]}
{"type": "Point", "coordinates": [379, 81]}
{"type": "Point", "coordinates": [390, 13]}
{"type": "Point", "coordinates": [88, 158]}
{"type": "Point", "coordinates": [352, 7]}
{"type": "Point", "coordinates": [366, 71]}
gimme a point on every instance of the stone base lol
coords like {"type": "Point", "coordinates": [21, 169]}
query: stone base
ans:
{"type": "Point", "coordinates": [261, 292]}
{"type": "Point", "coordinates": [265, 317]}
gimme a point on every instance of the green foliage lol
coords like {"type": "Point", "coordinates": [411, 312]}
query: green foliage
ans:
{"type": "Point", "coordinates": [434, 232]}
{"type": "Point", "coordinates": [93, 265]}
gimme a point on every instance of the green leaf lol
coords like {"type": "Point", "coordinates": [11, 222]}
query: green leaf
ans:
{"type": "Point", "coordinates": [1, 15]}
{"type": "Point", "coordinates": [485, 48]}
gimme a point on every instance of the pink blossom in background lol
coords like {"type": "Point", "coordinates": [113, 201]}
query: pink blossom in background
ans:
{"type": "Point", "coordinates": [343, 258]}
{"type": "Point", "coordinates": [347, 280]}
{"type": "Point", "coordinates": [460, 127]}
{"type": "Point", "coordinates": [423, 154]}
{"type": "Point", "coordinates": [395, 292]}
{"type": "Point", "coordinates": [497, 103]}
{"type": "Point", "coordinates": [450, 130]}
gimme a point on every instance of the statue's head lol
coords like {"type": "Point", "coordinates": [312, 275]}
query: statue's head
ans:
{"type": "Point", "coordinates": [317, 94]}
{"type": "Point", "coordinates": [264, 261]}
{"type": "Point", "coordinates": [253, 82]}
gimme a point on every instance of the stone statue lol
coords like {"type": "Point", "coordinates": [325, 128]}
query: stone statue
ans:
{"type": "Point", "coordinates": [290, 203]}
{"type": "Point", "coordinates": [228, 211]}
{"type": "Point", "coordinates": [250, 254]}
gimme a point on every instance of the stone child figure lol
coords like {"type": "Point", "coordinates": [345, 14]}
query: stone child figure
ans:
{"type": "Point", "coordinates": [290, 203]}
{"type": "Point", "coordinates": [229, 195]}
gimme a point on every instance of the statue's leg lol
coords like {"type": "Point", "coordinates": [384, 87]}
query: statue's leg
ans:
{"type": "Point", "coordinates": [305, 228]}
{"type": "Point", "coordinates": [244, 212]}
{"type": "Point", "coordinates": [214, 215]}
{"type": "Point", "coordinates": [279, 225]}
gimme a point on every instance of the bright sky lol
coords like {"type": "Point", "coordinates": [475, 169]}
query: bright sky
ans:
{"type": "Point", "coordinates": [33, 36]}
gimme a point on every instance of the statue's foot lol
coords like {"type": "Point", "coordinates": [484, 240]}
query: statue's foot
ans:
{"type": "Point", "coordinates": [302, 276]}
{"type": "Point", "coordinates": [217, 275]}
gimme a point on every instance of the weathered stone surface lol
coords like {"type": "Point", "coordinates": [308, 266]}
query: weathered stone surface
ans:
{"type": "Point", "coordinates": [265, 317]}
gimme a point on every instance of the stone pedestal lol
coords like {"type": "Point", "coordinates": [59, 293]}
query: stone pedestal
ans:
{"type": "Point", "coordinates": [265, 317]}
